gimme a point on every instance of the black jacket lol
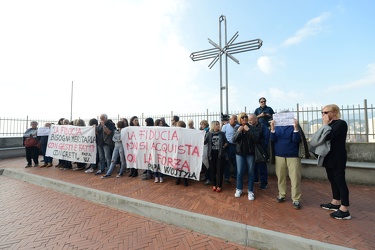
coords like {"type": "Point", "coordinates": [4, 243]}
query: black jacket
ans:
{"type": "Point", "coordinates": [245, 140]}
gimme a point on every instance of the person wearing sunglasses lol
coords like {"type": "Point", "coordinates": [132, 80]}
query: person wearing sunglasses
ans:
{"type": "Point", "coordinates": [335, 162]}
{"type": "Point", "coordinates": [264, 113]}
{"type": "Point", "coordinates": [245, 137]}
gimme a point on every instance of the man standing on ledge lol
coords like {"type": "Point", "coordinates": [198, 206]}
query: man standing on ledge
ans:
{"type": "Point", "coordinates": [264, 113]}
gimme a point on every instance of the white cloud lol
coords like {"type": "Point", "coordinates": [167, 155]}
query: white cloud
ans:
{"type": "Point", "coordinates": [311, 28]}
{"type": "Point", "coordinates": [367, 80]}
{"type": "Point", "coordinates": [123, 56]}
{"type": "Point", "coordinates": [264, 64]}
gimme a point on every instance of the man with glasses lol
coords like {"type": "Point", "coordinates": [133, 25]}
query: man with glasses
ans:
{"type": "Point", "coordinates": [264, 113]}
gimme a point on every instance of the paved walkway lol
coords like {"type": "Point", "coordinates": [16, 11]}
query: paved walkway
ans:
{"type": "Point", "coordinates": [35, 217]}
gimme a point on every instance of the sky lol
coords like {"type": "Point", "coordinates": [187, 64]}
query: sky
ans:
{"type": "Point", "coordinates": [132, 57]}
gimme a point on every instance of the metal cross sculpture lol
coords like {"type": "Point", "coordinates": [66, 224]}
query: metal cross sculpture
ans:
{"type": "Point", "coordinates": [229, 49]}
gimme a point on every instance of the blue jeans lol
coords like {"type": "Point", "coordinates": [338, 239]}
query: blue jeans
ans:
{"type": "Point", "coordinates": [230, 164]}
{"type": "Point", "coordinates": [47, 159]}
{"type": "Point", "coordinates": [105, 156]}
{"type": "Point", "coordinates": [261, 171]}
{"type": "Point", "coordinates": [245, 162]}
{"type": "Point", "coordinates": [117, 151]}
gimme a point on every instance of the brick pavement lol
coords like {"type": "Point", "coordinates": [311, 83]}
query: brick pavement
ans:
{"type": "Point", "coordinates": [33, 217]}
{"type": "Point", "coordinates": [311, 222]}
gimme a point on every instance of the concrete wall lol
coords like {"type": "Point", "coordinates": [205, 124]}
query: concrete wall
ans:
{"type": "Point", "coordinates": [361, 152]}
{"type": "Point", "coordinates": [10, 142]}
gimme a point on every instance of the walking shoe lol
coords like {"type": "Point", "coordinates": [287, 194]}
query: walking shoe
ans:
{"type": "Point", "coordinates": [49, 165]}
{"type": "Point", "coordinates": [218, 189]}
{"type": "Point", "coordinates": [105, 176]}
{"type": "Point", "coordinates": [135, 174]}
{"type": "Point", "coordinates": [208, 182]}
{"type": "Point", "coordinates": [161, 180]}
{"type": "Point", "coordinates": [263, 187]}
{"type": "Point", "coordinates": [297, 205]}
{"type": "Point", "coordinates": [90, 170]}
{"type": "Point", "coordinates": [156, 179]}
{"type": "Point", "coordinates": [99, 172]}
{"type": "Point", "coordinates": [119, 176]}
{"type": "Point", "coordinates": [340, 215]}
{"type": "Point", "coordinates": [36, 165]}
{"type": "Point", "coordinates": [238, 193]}
{"type": "Point", "coordinates": [77, 168]}
{"type": "Point", "coordinates": [250, 196]}
{"type": "Point", "coordinates": [43, 166]}
{"type": "Point", "coordinates": [146, 177]}
{"type": "Point", "coordinates": [28, 166]}
{"type": "Point", "coordinates": [280, 199]}
{"type": "Point", "coordinates": [330, 206]}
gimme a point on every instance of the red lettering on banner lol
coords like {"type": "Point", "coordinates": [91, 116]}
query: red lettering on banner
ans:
{"type": "Point", "coordinates": [147, 160]}
{"type": "Point", "coordinates": [173, 162]}
{"type": "Point", "coordinates": [71, 131]}
{"type": "Point", "coordinates": [131, 158]}
{"type": "Point", "coordinates": [131, 135]}
{"type": "Point", "coordinates": [56, 129]}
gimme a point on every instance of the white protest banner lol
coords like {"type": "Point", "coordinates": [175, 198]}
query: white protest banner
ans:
{"type": "Point", "coordinates": [172, 151]}
{"type": "Point", "coordinates": [284, 119]}
{"type": "Point", "coordinates": [43, 131]}
{"type": "Point", "coordinates": [72, 143]}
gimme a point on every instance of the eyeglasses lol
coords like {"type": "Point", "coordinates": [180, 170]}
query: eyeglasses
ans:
{"type": "Point", "coordinates": [244, 117]}
{"type": "Point", "coordinates": [262, 101]}
{"type": "Point", "coordinates": [325, 112]}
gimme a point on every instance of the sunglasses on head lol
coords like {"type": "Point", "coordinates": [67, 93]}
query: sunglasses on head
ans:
{"type": "Point", "coordinates": [244, 117]}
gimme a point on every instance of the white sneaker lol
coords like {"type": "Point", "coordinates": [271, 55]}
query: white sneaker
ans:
{"type": "Point", "coordinates": [90, 170]}
{"type": "Point", "coordinates": [161, 179]}
{"type": "Point", "coordinates": [250, 196]}
{"type": "Point", "coordinates": [238, 193]}
{"type": "Point", "coordinates": [156, 179]}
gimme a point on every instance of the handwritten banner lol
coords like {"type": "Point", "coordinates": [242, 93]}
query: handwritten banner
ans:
{"type": "Point", "coordinates": [43, 131]}
{"type": "Point", "coordinates": [172, 151]}
{"type": "Point", "coordinates": [72, 143]}
{"type": "Point", "coordinates": [284, 119]}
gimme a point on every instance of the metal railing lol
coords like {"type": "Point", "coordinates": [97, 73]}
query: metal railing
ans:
{"type": "Point", "coordinates": [360, 119]}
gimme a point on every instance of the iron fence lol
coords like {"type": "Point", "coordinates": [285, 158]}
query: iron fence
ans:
{"type": "Point", "coordinates": [360, 119]}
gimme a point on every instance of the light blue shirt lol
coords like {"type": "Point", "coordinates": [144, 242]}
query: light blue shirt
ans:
{"type": "Point", "coordinates": [229, 131]}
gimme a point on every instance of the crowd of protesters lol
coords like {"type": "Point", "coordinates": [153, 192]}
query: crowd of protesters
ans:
{"type": "Point", "coordinates": [230, 152]}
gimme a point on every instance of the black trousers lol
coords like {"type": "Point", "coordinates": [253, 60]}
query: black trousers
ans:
{"type": "Point", "coordinates": [217, 169]}
{"type": "Point", "coordinates": [340, 191]}
{"type": "Point", "coordinates": [32, 153]}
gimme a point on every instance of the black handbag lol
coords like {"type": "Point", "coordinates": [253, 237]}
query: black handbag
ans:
{"type": "Point", "coordinates": [260, 154]}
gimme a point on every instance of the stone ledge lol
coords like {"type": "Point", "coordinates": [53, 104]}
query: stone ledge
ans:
{"type": "Point", "coordinates": [350, 164]}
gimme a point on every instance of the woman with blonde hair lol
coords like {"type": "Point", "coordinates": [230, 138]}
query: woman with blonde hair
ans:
{"type": "Point", "coordinates": [245, 138]}
{"type": "Point", "coordinates": [216, 143]}
{"type": "Point", "coordinates": [335, 162]}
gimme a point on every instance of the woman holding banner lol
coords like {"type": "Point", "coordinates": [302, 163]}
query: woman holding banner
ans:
{"type": "Point", "coordinates": [134, 122]}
